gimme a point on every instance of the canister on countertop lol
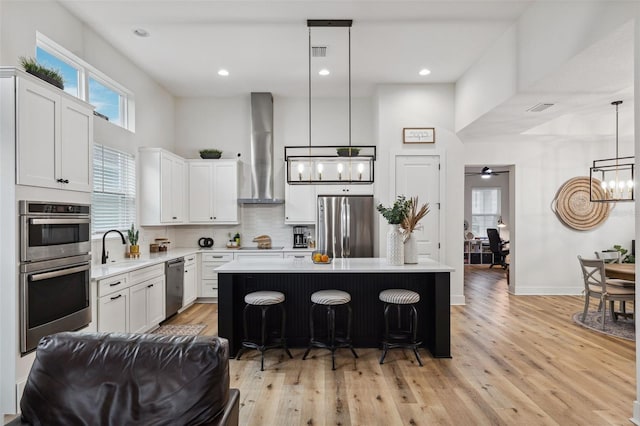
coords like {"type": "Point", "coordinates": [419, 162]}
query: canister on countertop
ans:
{"type": "Point", "coordinates": [154, 248]}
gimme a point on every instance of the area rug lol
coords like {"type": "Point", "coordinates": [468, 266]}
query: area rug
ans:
{"type": "Point", "coordinates": [623, 328]}
{"type": "Point", "coordinates": [180, 329]}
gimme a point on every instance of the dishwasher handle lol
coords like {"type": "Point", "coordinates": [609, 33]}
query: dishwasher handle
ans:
{"type": "Point", "coordinates": [175, 262]}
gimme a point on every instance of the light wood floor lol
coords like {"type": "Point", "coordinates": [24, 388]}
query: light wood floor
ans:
{"type": "Point", "coordinates": [517, 360]}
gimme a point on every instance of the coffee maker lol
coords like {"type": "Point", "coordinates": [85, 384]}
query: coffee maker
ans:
{"type": "Point", "coordinates": [300, 236]}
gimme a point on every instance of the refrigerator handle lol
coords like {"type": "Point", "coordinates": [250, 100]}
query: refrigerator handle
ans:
{"type": "Point", "coordinates": [347, 233]}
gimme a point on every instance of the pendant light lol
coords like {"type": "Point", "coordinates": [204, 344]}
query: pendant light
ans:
{"type": "Point", "coordinates": [333, 164]}
{"type": "Point", "coordinates": [612, 179]}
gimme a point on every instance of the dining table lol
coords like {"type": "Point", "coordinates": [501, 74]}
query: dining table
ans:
{"type": "Point", "coordinates": [621, 271]}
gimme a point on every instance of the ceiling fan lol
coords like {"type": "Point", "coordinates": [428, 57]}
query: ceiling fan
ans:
{"type": "Point", "coordinates": [486, 173]}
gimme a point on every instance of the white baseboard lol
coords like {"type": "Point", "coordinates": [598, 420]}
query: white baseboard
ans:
{"type": "Point", "coordinates": [636, 413]}
{"type": "Point", "coordinates": [458, 299]}
{"type": "Point", "coordinates": [548, 291]}
{"type": "Point", "coordinates": [19, 391]}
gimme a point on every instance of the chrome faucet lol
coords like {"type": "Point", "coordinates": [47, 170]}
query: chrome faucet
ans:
{"type": "Point", "coordinates": [105, 254]}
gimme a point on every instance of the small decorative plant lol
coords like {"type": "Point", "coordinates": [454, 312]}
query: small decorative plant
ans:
{"type": "Point", "coordinates": [414, 215]}
{"type": "Point", "coordinates": [210, 153]}
{"type": "Point", "coordinates": [623, 254]}
{"type": "Point", "coordinates": [32, 66]}
{"type": "Point", "coordinates": [133, 235]}
{"type": "Point", "coordinates": [396, 213]}
{"type": "Point", "coordinates": [348, 151]}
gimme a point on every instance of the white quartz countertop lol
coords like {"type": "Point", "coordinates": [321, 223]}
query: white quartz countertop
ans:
{"type": "Point", "coordinates": [337, 265]}
{"type": "Point", "coordinates": [123, 266]}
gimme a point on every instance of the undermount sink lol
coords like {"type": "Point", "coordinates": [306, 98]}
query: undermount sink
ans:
{"type": "Point", "coordinates": [257, 248]}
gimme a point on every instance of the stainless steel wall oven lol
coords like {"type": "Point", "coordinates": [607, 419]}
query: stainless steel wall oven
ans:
{"type": "Point", "coordinates": [55, 269]}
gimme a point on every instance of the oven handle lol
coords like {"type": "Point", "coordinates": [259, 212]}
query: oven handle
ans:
{"type": "Point", "coordinates": [59, 221]}
{"type": "Point", "coordinates": [58, 273]}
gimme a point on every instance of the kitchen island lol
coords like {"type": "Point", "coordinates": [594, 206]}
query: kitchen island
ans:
{"type": "Point", "coordinates": [363, 278]}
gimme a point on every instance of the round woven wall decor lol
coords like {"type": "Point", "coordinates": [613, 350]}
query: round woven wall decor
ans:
{"type": "Point", "coordinates": [573, 208]}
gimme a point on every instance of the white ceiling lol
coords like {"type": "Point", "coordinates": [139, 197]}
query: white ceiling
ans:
{"type": "Point", "coordinates": [263, 43]}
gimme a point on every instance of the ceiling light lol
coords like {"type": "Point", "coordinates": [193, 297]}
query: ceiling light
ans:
{"type": "Point", "coordinates": [223, 72]}
{"type": "Point", "coordinates": [324, 71]}
{"type": "Point", "coordinates": [613, 175]}
{"type": "Point", "coordinates": [141, 32]}
{"type": "Point", "coordinates": [424, 71]}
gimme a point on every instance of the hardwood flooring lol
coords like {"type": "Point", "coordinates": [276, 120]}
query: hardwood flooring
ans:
{"type": "Point", "coordinates": [517, 360]}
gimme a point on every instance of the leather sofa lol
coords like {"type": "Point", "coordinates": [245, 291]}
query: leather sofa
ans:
{"type": "Point", "coordinates": [129, 379]}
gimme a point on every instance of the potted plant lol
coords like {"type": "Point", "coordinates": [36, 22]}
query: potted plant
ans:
{"type": "Point", "coordinates": [133, 235]}
{"type": "Point", "coordinates": [210, 153]}
{"type": "Point", "coordinates": [408, 225]}
{"type": "Point", "coordinates": [32, 66]}
{"type": "Point", "coordinates": [395, 215]}
{"type": "Point", "coordinates": [348, 151]}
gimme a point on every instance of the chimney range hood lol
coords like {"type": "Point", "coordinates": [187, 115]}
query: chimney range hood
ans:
{"type": "Point", "coordinates": [261, 151]}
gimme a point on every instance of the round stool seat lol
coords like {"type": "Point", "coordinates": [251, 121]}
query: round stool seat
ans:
{"type": "Point", "coordinates": [330, 297]}
{"type": "Point", "coordinates": [399, 296]}
{"type": "Point", "coordinates": [261, 298]}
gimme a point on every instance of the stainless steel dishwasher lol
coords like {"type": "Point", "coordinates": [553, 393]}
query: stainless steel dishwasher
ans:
{"type": "Point", "coordinates": [174, 276]}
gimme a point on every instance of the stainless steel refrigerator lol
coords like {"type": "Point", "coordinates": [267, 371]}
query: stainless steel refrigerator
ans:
{"type": "Point", "coordinates": [345, 225]}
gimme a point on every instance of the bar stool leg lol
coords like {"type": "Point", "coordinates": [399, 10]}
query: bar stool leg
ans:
{"type": "Point", "coordinates": [331, 319]}
{"type": "Point", "coordinates": [385, 345]}
{"type": "Point", "coordinates": [282, 330]}
{"type": "Point", "coordinates": [414, 337]}
{"type": "Point", "coordinates": [353, 351]}
{"type": "Point", "coordinates": [313, 306]}
{"type": "Point", "coordinates": [263, 338]}
{"type": "Point", "coordinates": [246, 331]}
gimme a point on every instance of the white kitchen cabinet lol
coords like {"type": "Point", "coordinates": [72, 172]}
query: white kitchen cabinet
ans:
{"type": "Point", "coordinates": [190, 280]}
{"type": "Point", "coordinates": [362, 189]}
{"type": "Point", "coordinates": [146, 308]}
{"type": "Point", "coordinates": [300, 204]}
{"type": "Point", "coordinates": [209, 281]}
{"type": "Point", "coordinates": [162, 187]}
{"type": "Point", "coordinates": [54, 137]}
{"type": "Point", "coordinates": [213, 191]}
{"type": "Point", "coordinates": [300, 255]}
{"type": "Point", "coordinates": [256, 256]}
{"type": "Point", "coordinates": [113, 312]}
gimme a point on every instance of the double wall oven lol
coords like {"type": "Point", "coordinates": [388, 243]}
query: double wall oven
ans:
{"type": "Point", "coordinates": [55, 269]}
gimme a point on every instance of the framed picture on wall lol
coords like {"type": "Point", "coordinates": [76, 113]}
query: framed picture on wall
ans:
{"type": "Point", "coordinates": [418, 135]}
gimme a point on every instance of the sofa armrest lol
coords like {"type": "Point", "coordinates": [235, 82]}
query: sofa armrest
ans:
{"type": "Point", "coordinates": [231, 414]}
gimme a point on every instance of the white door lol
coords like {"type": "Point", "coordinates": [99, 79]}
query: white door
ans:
{"type": "Point", "coordinates": [113, 312]}
{"type": "Point", "coordinates": [200, 192]}
{"type": "Point", "coordinates": [225, 192]}
{"type": "Point", "coordinates": [76, 144]}
{"type": "Point", "coordinates": [138, 308]}
{"type": "Point", "coordinates": [420, 176]}
{"type": "Point", "coordinates": [155, 301]}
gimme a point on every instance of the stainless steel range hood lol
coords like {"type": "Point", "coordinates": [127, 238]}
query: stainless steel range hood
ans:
{"type": "Point", "coordinates": [261, 151]}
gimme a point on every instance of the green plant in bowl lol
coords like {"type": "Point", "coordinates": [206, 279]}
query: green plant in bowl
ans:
{"type": "Point", "coordinates": [348, 152]}
{"type": "Point", "coordinates": [51, 76]}
{"type": "Point", "coordinates": [210, 153]}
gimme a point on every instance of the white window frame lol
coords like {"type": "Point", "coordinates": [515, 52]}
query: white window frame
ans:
{"type": "Point", "coordinates": [495, 216]}
{"type": "Point", "coordinates": [87, 70]}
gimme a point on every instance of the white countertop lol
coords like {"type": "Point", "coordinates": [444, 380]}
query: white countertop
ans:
{"type": "Point", "coordinates": [123, 266]}
{"type": "Point", "coordinates": [374, 265]}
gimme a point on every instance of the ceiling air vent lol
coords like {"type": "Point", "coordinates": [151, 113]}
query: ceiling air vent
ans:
{"type": "Point", "coordinates": [539, 107]}
{"type": "Point", "coordinates": [318, 51]}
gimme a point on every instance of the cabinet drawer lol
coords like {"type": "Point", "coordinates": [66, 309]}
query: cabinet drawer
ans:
{"type": "Point", "coordinates": [209, 288]}
{"type": "Point", "coordinates": [209, 270]}
{"type": "Point", "coordinates": [145, 274]}
{"type": "Point", "coordinates": [257, 256]}
{"type": "Point", "coordinates": [190, 260]}
{"type": "Point", "coordinates": [112, 284]}
{"type": "Point", "coordinates": [304, 255]}
{"type": "Point", "coordinates": [217, 257]}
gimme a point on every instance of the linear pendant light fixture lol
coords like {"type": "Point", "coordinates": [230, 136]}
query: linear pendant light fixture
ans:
{"type": "Point", "coordinates": [614, 175]}
{"type": "Point", "coordinates": [329, 164]}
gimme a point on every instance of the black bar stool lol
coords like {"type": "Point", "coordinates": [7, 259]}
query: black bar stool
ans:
{"type": "Point", "coordinates": [264, 299]}
{"type": "Point", "coordinates": [330, 299]}
{"type": "Point", "coordinates": [400, 337]}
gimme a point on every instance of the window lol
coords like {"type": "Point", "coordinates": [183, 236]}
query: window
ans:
{"type": "Point", "coordinates": [84, 81]}
{"type": "Point", "coordinates": [114, 190]}
{"type": "Point", "coordinates": [485, 209]}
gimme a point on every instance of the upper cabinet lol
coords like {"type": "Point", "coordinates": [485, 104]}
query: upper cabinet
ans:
{"type": "Point", "coordinates": [162, 187]}
{"type": "Point", "coordinates": [213, 191]}
{"type": "Point", "coordinates": [300, 204]}
{"type": "Point", "coordinates": [360, 189]}
{"type": "Point", "coordinates": [54, 137]}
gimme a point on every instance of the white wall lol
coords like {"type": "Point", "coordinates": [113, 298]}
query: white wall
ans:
{"type": "Point", "coordinates": [432, 105]}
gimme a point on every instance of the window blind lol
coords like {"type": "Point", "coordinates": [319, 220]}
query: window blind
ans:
{"type": "Point", "coordinates": [485, 209]}
{"type": "Point", "coordinates": [114, 190]}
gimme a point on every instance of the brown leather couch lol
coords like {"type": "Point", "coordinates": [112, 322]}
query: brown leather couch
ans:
{"type": "Point", "coordinates": [129, 379]}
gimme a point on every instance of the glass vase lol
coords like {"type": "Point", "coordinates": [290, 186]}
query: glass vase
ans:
{"type": "Point", "coordinates": [411, 249]}
{"type": "Point", "coordinates": [395, 246]}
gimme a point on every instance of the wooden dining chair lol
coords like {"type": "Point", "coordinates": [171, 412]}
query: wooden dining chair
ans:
{"type": "Point", "coordinates": [609, 256]}
{"type": "Point", "coordinates": [595, 285]}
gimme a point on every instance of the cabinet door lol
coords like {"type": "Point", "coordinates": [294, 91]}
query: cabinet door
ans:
{"type": "Point", "coordinates": [166, 186]}
{"type": "Point", "coordinates": [225, 192]}
{"type": "Point", "coordinates": [38, 119]}
{"type": "Point", "coordinates": [344, 189]}
{"type": "Point", "coordinates": [113, 312]}
{"type": "Point", "coordinates": [178, 189]}
{"type": "Point", "coordinates": [155, 301]}
{"type": "Point", "coordinates": [300, 204]}
{"type": "Point", "coordinates": [190, 285]}
{"type": "Point", "coordinates": [200, 192]}
{"type": "Point", "coordinates": [138, 308]}
{"type": "Point", "coordinates": [76, 143]}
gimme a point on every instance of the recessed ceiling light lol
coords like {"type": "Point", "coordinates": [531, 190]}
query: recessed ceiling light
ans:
{"type": "Point", "coordinates": [141, 32]}
{"type": "Point", "coordinates": [223, 72]}
{"type": "Point", "coordinates": [424, 71]}
{"type": "Point", "coordinates": [324, 71]}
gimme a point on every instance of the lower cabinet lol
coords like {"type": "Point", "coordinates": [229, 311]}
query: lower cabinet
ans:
{"type": "Point", "coordinates": [190, 280]}
{"type": "Point", "coordinates": [133, 302]}
{"type": "Point", "coordinates": [209, 281]}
